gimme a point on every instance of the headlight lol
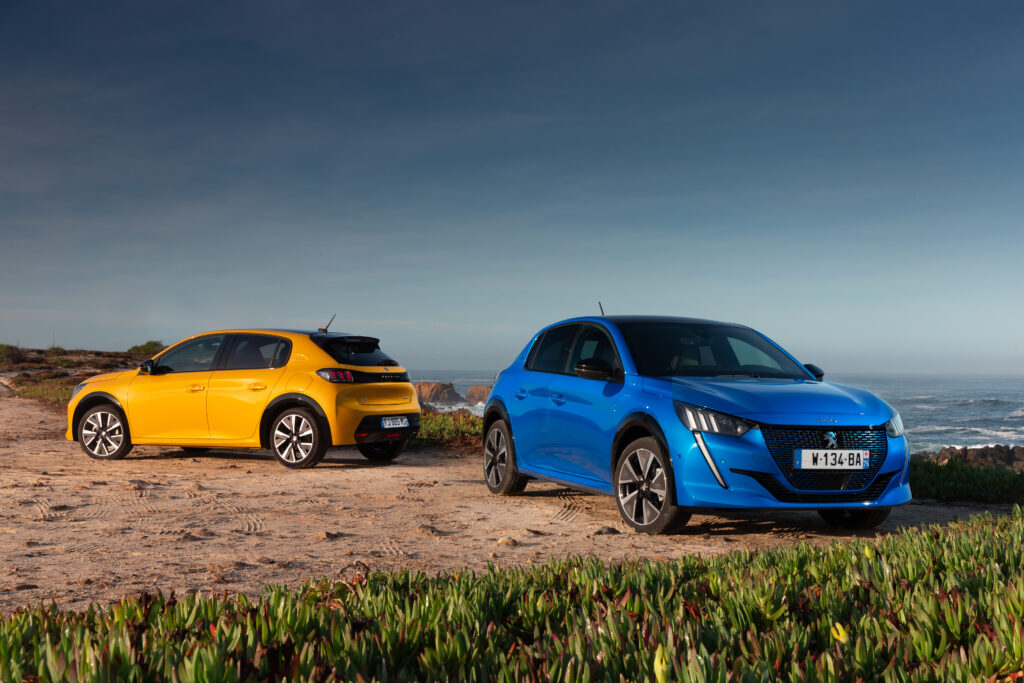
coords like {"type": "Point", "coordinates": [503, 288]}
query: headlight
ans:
{"type": "Point", "coordinates": [704, 420]}
{"type": "Point", "coordinates": [77, 389]}
{"type": "Point", "coordinates": [894, 427]}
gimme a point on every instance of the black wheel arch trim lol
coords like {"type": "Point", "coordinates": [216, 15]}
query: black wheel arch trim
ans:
{"type": "Point", "coordinates": [636, 420]}
{"type": "Point", "coordinates": [289, 400]}
{"type": "Point", "coordinates": [90, 401]}
{"type": "Point", "coordinates": [494, 411]}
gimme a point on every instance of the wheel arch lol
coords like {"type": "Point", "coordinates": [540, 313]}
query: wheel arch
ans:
{"type": "Point", "coordinates": [293, 400]}
{"type": "Point", "coordinates": [89, 402]}
{"type": "Point", "coordinates": [636, 426]}
{"type": "Point", "coordinates": [495, 411]}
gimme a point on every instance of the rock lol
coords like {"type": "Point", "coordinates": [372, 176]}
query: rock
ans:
{"type": "Point", "coordinates": [477, 393]}
{"type": "Point", "coordinates": [1004, 457]}
{"type": "Point", "coordinates": [508, 540]}
{"type": "Point", "coordinates": [438, 393]}
{"type": "Point", "coordinates": [606, 531]}
{"type": "Point", "coordinates": [332, 535]}
{"type": "Point", "coordinates": [426, 530]}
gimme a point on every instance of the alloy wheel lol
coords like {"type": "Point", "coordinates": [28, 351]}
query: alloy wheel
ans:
{"type": "Point", "coordinates": [642, 486]}
{"type": "Point", "coordinates": [495, 457]}
{"type": "Point", "coordinates": [293, 438]}
{"type": "Point", "coordinates": [102, 433]}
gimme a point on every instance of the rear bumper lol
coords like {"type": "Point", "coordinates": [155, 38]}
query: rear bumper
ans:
{"type": "Point", "coordinates": [370, 430]}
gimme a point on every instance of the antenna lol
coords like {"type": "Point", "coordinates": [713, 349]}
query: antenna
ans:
{"type": "Point", "coordinates": [600, 307]}
{"type": "Point", "coordinates": [323, 330]}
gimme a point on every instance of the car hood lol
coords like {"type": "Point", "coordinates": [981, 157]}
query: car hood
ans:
{"type": "Point", "coordinates": [107, 376]}
{"type": "Point", "coordinates": [777, 401]}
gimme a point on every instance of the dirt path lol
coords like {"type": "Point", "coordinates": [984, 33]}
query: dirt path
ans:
{"type": "Point", "coordinates": [74, 530]}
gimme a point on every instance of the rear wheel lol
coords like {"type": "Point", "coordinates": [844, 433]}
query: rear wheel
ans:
{"type": "Point", "coordinates": [500, 470]}
{"type": "Point", "coordinates": [382, 451]}
{"type": "Point", "coordinates": [644, 489]}
{"type": "Point", "coordinates": [296, 440]}
{"type": "Point", "coordinates": [103, 433]}
{"type": "Point", "coordinates": [855, 519]}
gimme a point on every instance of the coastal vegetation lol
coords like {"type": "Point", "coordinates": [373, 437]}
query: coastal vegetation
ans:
{"type": "Point", "coordinates": [938, 603]}
{"type": "Point", "coordinates": [958, 480]}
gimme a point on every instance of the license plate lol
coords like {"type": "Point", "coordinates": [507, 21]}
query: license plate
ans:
{"type": "Point", "coordinates": [819, 459]}
{"type": "Point", "coordinates": [394, 422]}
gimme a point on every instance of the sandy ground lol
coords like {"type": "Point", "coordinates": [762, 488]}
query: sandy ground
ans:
{"type": "Point", "coordinates": [75, 531]}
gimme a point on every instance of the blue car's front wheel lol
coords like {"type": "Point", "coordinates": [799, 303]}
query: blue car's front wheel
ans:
{"type": "Point", "coordinates": [644, 488]}
{"type": "Point", "coordinates": [500, 470]}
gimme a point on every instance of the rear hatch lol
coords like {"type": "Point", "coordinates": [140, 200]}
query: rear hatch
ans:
{"type": "Point", "coordinates": [377, 379]}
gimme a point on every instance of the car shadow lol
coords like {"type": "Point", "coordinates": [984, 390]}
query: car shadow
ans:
{"type": "Point", "coordinates": [336, 458]}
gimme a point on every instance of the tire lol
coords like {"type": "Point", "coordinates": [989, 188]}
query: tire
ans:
{"type": "Point", "coordinates": [296, 439]}
{"type": "Point", "coordinates": [855, 519]}
{"type": "Point", "coordinates": [500, 470]}
{"type": "Point", "coordinates": [103, 433]}
{"type": "Point", "coordinates": [382, 451]}
{"type": "Point", "coordinates": [645, 489]}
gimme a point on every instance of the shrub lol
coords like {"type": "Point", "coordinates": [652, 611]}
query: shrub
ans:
{"type": "Point", "coordinates": [53, 391]}
{"type": "Point", "coordinates": [11, 354]}
{"type": "Point", "coordinates": [932, 604]}
{"type": "Point", "coordinates": [459, 429]}
{"type": "Point", "coordinates": [958, 480]}
{"type": "Point", "coordinates": [150, 348]}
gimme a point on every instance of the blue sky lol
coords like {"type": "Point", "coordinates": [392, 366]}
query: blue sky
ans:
{"type": "Point", "coordinates": [847, 178]}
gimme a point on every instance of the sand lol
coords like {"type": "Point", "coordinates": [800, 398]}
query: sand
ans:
{"type": "Point", "coordinates": [76, 531]}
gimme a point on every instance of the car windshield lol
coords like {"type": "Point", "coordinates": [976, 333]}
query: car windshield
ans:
{"type": "Point", "coordinates": [357, 351]}
{"type": "Point", "coordinates": [684, 349]}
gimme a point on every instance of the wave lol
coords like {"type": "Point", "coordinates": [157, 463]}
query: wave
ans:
{"type": "Point", "coordinates": [1017, 413]}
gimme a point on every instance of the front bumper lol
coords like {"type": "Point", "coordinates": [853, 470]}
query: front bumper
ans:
{"type": "Point", "coordinates": [753, 479]}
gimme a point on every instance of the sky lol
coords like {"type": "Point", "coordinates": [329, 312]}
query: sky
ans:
{"type": "Point", "coordinates": [847, 178]}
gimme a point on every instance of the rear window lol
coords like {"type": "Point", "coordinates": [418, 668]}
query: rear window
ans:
{"type": "Point", "coordinates": [356, 352]}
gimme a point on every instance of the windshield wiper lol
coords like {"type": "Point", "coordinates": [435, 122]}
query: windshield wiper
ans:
{"type": "Point", "coordinates": [735, 374]}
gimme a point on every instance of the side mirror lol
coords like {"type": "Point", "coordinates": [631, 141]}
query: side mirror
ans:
{"type": "Point", "coordinates": [593, 368]}
{"type": "Point", "coordinates": [814, 370]}
{"type": "Point", "coordinates": [147, 366]}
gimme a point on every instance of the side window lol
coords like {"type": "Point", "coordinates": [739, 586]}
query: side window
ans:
{"type": "Point", "coordinates": [194, 356]}
{"type": "Point", "coordinates": [257, 351]}
{"type": "Point", "coordinates": [593, 342]}
{"type": "Point", "coordinates": [748, 355]}
{"type": "Point", "coordinates": [552, 351]}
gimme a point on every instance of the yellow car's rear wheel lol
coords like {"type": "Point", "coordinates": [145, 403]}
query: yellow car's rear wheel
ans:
{"type": "Point", "coordinates": [382, 451]}
{"type": "Point", "coordinates": [296, 439]}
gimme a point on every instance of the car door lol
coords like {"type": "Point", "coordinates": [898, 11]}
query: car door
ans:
{"type": "Point", "coordinates": [583, 416]}
{"type": "Point", "coordinates": [241, 386]}
{"type": "Point", "coordinates": [168, 405]}
{"type": "Point", "coordinates": [531, 401]}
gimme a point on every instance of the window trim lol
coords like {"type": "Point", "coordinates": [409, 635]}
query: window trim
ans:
{"type": "Point", "coordinates": [218, 357]}
{"type": "Point", "coordinates": [540, 340]}
{"type": "Point", "coordinates": [236, 337]}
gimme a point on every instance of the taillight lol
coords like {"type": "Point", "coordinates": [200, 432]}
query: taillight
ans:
{"type": "Point", "coordinates": [336, 375]}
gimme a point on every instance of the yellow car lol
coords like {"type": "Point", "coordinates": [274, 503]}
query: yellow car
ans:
{"type": "Point", "coordinates": [294, 392]}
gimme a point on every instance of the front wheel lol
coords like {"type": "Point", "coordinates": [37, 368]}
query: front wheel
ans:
{"type": "Point", "coordinates": [296, 439]}
{"type": "Point", "coordinates": [855, 519]}
{"type": "Point", "coordinates": [500, 470]}
{"type": "Point", "coordinates": [643, 489]}
{"type": "Point", "coordinates": [103, 433]}
{"type": "Point", "coordinates": [381, 451]}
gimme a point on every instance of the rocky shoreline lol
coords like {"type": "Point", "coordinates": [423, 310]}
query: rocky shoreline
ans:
{"type": "Point", "coordinates": [442, 394]}
{"type": "Point", "coordinates": [1001, 456]}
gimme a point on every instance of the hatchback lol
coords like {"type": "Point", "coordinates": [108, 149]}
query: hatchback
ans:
{"type": "Point", "coordinates": [673, 415]}
{"type": "Point", "coordinates": [293, 392]}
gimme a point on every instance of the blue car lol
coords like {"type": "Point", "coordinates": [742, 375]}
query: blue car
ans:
{"type": "Point", "coordinates": [671, 415]}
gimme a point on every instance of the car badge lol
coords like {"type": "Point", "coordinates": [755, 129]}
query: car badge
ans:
{"type": "Point", "coordinates": [830, 440]}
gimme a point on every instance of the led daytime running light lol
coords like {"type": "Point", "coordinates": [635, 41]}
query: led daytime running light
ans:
{"type": "Point", "coordinates": [704, 420]}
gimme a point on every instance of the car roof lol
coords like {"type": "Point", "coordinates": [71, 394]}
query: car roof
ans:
{"type": "Point", "coordinates": [632, 319]}
{"type": "Point", "coordinates": [312, 334]}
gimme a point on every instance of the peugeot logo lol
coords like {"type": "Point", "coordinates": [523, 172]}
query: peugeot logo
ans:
{"type": "Point", "coordinates": [830, 440]}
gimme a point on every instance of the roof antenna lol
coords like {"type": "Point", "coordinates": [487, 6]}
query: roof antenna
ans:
{"type": "Point", "coordinates": [323, 330]}
{"type": "Point", "coordinates": [600, 307]}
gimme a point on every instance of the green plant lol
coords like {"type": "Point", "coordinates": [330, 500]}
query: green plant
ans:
{"type": "Point", "coordinates": [150, 348]}
{"type": "Point", "coordinates": [932, 604]}
{"type": "Point", "coordinates": [11, 354]}
{"type": "Point", "coordinates": [460, 429]}
{"type": "Point", "coordinates": [958, 480]}
{"type": "Point", "coordinates": [54, 391]}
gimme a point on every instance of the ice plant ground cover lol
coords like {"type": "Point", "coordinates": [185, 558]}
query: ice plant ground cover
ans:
{"type": "Point", "coordinates": [937, 603]}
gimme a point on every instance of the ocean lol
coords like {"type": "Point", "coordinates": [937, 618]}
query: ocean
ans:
{"type": "Point", "coordinates": [937, 410]}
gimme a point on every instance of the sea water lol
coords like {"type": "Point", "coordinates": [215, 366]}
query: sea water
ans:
{"type": "Point", "coordinates": [937, 410]}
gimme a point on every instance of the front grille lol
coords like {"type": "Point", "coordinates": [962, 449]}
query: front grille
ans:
{"type": "Point", "coordinates": [782, 443]}
{"type": "Point", "coordinates": [784, 495]}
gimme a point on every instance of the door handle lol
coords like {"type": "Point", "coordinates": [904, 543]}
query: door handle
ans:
{"type": "Point", "coordinates": [257, 387]}
{"type": "Point", "coordinates": [195, 387]}
{"type": "Point", "coordinates": [558, 399]}
{"type": "Point", "coordinates": [520, 394]}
